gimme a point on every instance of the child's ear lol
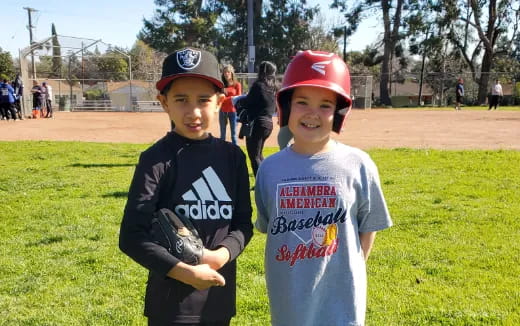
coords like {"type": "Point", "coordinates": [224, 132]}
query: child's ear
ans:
{"type": "Point", "coordinates": [162, 99]}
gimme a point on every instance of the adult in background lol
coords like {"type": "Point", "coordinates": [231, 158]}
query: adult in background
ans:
{"type": "Point", "coordinates": [37, 93]}
{"type": "Point", "coordinates": [260, 104]}
{"type": "Point", "coordinates": [7, 101]}
{"type": "Point", "coordinates": [496, 95]}
{"type": "Point", "coordinates": [44, 111]}
{"type": "Point", "coordinates": [48, 99]}
{"type": "Point", "coordinates": [228, 112]}
{"type": "Point", "coordinates": [18, 94]}
{"type": "Point", "coordinates": [459, 93]}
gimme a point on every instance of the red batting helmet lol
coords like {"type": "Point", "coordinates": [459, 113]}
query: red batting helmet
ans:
{"type": "Point", "coordinates": [316, 69]}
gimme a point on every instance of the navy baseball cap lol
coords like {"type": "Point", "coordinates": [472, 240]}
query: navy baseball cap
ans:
{"type": "Point", "coordinates": [190, 62]}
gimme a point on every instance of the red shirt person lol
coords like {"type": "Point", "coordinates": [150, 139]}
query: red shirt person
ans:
{"type": "Point", "coordinates": [227, 111]}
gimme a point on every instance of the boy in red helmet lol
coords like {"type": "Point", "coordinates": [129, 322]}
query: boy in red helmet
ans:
{"type": "Point", "coordinates": [319, 201]}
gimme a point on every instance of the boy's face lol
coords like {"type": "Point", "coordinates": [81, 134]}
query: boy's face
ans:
{"type": "Point", "coordinates": [311, 118]}
{"type": "Point", "coordinates": [191, 103]}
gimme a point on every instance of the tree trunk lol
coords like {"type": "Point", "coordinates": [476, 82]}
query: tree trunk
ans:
{"type": "Point", "coordinates": [487, 63]}
{"type": "Point", "coordinates": [388, 48]}
{"type": "Point", "coordinates": [385, 75]}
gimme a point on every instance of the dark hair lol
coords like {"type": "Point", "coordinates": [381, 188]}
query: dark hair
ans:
{"type": "Point", "coordinates": [267, 74]}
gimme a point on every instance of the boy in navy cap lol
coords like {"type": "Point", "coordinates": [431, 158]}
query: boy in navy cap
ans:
{"type": "Point", "coordinates": [201, 177]}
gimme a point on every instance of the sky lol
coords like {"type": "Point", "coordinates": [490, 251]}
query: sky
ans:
{"type": "Point", "coordinates": [116, 22]}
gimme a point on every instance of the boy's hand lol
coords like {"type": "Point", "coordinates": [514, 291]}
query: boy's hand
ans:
{"type": "Point", "coordinates": [200, 277]}
{"type": "Point", "coordinates": [215, 258]}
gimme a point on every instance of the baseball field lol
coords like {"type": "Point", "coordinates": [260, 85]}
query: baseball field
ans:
{"type": "Point", "coordinates": [451, 180]}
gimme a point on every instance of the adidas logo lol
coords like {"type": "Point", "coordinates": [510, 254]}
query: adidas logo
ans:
{"type": "Point", "coordinates": [207, 200]}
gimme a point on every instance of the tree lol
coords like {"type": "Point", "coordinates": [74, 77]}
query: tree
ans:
{"type": "Point", "coordinates": [489, 20]}
{"type": "Point", "coordinates": [321, 36]}
{"type": "Point", "coordinates": [281, 28]}
{"type": "Point", "coordinates": [56, 54]}
{"type": "Point", "coordinates": [364, 62]}
{"type": "Point", "coordinates": [427, 38]}
{"type": "Point", "coordinates": [44, 66]}
{"type": "Point", "coordinates": [232, 39]}
{"type": "Point", "coordinates": [112, 66]}
{"type": "Point", "coordinates": [146, 62]}
{"type": "Point", "coordinates": [392, 13]}
{"type": "Point", "coordinates": [285, 30]}
{"type": "Point", "coordinates": [6, 65]}
{"type": "Point", "coordinates": [181, 23]}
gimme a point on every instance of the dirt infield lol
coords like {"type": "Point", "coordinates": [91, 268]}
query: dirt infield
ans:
{"type": "Point", "coordinates": [376, 128]}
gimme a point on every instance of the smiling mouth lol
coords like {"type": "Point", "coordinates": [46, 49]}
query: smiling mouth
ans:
{"type": "Point", "coordinates": [194, 125]}
{"type": "Point", "coordinates": [310, 125]}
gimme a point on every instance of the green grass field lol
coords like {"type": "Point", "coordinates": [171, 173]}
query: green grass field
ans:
{"type": "Point", "coordinates": [451, 258]}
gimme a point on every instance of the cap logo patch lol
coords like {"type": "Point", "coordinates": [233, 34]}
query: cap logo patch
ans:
{"type": "Point", "coordinates": [320, 66]}
{"type": "Point", "coordinates": [188, 59]}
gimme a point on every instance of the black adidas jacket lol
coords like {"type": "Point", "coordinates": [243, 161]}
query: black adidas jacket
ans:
{"type": "Point", "coordinates": [209, 181]}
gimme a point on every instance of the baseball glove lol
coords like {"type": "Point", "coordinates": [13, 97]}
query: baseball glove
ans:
{"type": "Point", "coordinates": [178, 236]}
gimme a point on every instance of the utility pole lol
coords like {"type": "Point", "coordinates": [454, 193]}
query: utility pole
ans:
{"type": "Point", "coordinates": [29, 10]}
{"type": "Point", "coordinates": [345, 43]}
{"type": "Point", "coordinates": [250, 41]}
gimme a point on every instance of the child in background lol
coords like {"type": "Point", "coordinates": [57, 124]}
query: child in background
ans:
{"type": "Point", "coordinates": [198, 176]}
{"type": "Point", "coordinates": [319, 201]}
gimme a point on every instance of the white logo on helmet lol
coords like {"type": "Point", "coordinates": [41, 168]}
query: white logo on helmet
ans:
{"type": "Point", "coordinates": [188, 59]}
{"type": "Point", "coordinates": [320, 66]}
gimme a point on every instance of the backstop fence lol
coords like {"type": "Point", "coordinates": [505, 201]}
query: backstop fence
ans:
{"type": "Point", "coordinates": [81, 73]}
{"type": "Point", "coordinates": [90, 75]}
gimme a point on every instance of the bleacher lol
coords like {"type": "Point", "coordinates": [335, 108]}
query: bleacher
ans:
{"type": "Point", "coordinates": [96, 105]}
{"type": "Point", "coordinates": [148, 106]}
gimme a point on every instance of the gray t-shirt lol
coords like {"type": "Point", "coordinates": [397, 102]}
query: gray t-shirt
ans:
{"type": "Point", "coordinates": [312, 209]}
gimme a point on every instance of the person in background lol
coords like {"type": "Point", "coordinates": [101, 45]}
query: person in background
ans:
{"type": "Point", "coordinates": [496, 95]}
{"type": "Point", "coordinates": [459, 93]}
{"type": "Point", "coordinates": [228, 112]}
{"type": "Point", "coordinates": [261, 106]}
{"type": "Point", "coordinates": [37, 93]}
{"type": "Point", "coordinates": [18, 92]}
{"type": "Point", "coordinates": [7, 97]}
{"type": "Point", "coordinates": [48, 99]}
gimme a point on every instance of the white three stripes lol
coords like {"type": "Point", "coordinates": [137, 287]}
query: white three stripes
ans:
{"type": "Point", "coordinates": [203, 184]}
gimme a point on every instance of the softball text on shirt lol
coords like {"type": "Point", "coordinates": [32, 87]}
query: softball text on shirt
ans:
{"type": "Point", "coordinates": [315, 223]}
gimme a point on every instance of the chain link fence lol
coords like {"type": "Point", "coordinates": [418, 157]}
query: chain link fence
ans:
{"type": "Point", "coordinates": [90, 75]}
{"type": "Point", "coordinates": [438, 89]}
{"type": "Point", "coordinates": [84, 74]}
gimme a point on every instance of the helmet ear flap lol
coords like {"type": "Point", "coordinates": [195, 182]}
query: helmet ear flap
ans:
{"type": "Point", "coordinates": [337, 123]}
{"type": "Point", "coordinates": [342, 109]}
{"type": "Point", "coordinates": [284, 103]}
